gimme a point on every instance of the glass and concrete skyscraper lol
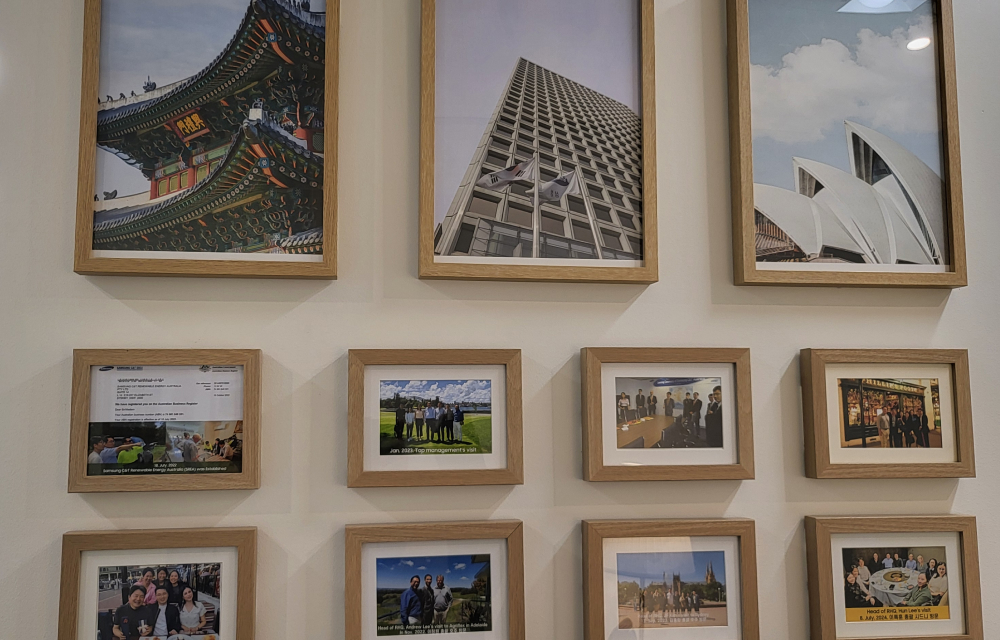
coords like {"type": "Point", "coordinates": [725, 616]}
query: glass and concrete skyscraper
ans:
{"type": "Point", "coordinates": [571, 132]}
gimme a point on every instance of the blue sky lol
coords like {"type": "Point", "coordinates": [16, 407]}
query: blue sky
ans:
{"type": "Point", "coordinates": [813, 67]}
{"type": "Point", "coordinates": [395, 573]}
{"type": "Point", "coordinates": [450, 391]}
{"type": "Point", "coordinates": [650, 567]}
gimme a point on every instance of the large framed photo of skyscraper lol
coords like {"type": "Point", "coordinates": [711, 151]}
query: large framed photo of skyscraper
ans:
{"type": "Point", "coordinates": [845, 148]}
{"type": "Point", "coordinates": [887, 413]}
{"type": "Point", "coordinates": [538, 141]}
{"type": "Point", "coordinates": [208, 139]}
{"type": "Point", "coordinates": [654, 413]}
{"type": "Point", "coordinates": [434, 417]}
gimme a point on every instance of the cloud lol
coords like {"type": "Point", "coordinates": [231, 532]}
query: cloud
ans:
{"type": "Point", "coordinates": [408, 563]}
{"type": "Point", "coordinates": [460, 566]}
{"type": "Point", "coordinates": [450, 391]}
{"type": "Point", "coordinates": [876, 80]}
{"type": "Point", "coordinates": [464, 579]}
{"type": "Point", "coordinates": [422, 568]}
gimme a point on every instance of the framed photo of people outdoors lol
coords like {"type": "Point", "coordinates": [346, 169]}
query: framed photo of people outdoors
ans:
{"type": "Point", "coordinates": [196, 584]}
{"type": "Point", "coordinates": [670, 579]}
{"type": "Point", "coordinates": [430, 579]}
{"type": "Point", "coordinates": [165, 420]}
{"type": "Point", "coordinates": [538, 151]}
{"type": "Point", "coordinates": [906, 577]}
{"type": "Point", "coordinates": [434, 417]}
{"type": "Point", "coordinates": [208, 147]}
{"type": "Point", "coordinates": [654, 413]}
{"type": "Point", "coordinates": [904, 413]}
{"type": "Point", "coordinates": [845, 158]}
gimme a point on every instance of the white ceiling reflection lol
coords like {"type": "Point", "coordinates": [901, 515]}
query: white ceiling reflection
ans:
{"type": "Point", "coordinates": [881, 6]}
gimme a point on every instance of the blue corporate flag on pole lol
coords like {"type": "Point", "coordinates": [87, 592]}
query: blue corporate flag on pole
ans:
{"type": "Point", "coordinates": [568, 183]}
{"type": "Point", "coordinates": [499, 179]}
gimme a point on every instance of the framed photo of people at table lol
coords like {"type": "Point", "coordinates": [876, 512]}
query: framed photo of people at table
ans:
{"type": "Point", "coordinates": [165, 420]}
{"type": "Point", "coordinates": [428, 579]}
{"type": "Point", "coordinates": [434, 417]}
{"type": "Point", "coordinates": [670, 579]}
{"type": "Point", "coordinates": [198, 584]}
{"type": "Point", "coordinates": [654, 413]}
{"type": "Point", "coordinates": [904, 577]}
{"type": "Point", "coordinates": [887, 413]}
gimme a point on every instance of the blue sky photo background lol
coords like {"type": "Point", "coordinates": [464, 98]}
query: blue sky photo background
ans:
{"type": "Point", "coordinates": [645, 568]}
{"type": "Point", "coordinates": [395, 573]}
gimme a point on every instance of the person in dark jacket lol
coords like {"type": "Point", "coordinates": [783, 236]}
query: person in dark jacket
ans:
{"type": "Point", "coordinates": [686, 410]}
{"type": "Point", "coordinates": [427, 599]}
{"type": "Point", "coordinates": [895, 434]}
{"type": "Point", "coordinates": [640, 405]}
{"type": "Point", "coordinates": [164, 617]}
{"type": "Point", "coordinates": [696, 405]}
{"type": "Point", "coordinates": [713, 419]}
{"type": "Point", "coordinates": [925, 429]}
{"type": "Point", "coordinates": [855, 597]}
{"type": "Point", "coordinates": [400, 421]}
{"type": "Point", "coordinates": [458, 423]}
{"type": "Point", "coordinates": [132, 619]}
{"type": "Point", "coordinates": [912, 429]}
{"type": "Point", "coordinates": [411, 612]}
{"type": "Point", "coordinates": [176, 586]}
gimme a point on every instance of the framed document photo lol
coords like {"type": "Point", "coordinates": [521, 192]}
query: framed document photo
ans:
{"type": "Point", "coordinates": [666, 414]}
{"type": "Point", "coordinates": [156, 584]}
{"type": "Point", "coordinates": [670, 579]}
{"type": "Point", "coordinates": [845, 145]}
{"type": "Point", "coordinates": [887, 413]}
{"type": "Point", "coordinates": [429, 579]}
{"type": "Point", "coordinates": [434, 417]}
{"type": "Point", "coordinates": [208, 144]}
{"type": "Point", "coordinates": [909, 577]}
{"type": "Point", "coordinates": [538, 148]}
{"type": "Point", "coordinates": [165, 420]}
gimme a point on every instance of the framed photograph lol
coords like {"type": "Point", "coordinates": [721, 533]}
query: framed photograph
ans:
{"type": "Point", "coordinates": [430, 579]}
{"type": "Point", "coordinates": [666, 414]}
{"type": "Point", "coordinates": [196, 584]}
{"type": "Point", "coordinates": [538, 151]}
{"type": "Point", "coordinates": [208, 143]}
{"type": "Point", "coordinates": [909, 577]}
{"type": "Point", "coordinates": [434, 417]}
{"type": "Point", "coordinates": [165, 420]}
{"type": "Point", "coordinates": [845, 146]}
{"type": "Point", "coordinates": [887, 413]}
{"type": "Point", "coordinates": [670, 579]}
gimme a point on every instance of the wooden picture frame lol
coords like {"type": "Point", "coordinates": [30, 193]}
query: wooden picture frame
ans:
{"type": "Point", "coordinates": [356, 536]}
{"type": "Point", "coordinates": [594, 467]}
{"type": "Point", "coordinates": [822, 613]}
{"type": "Point", "coordinates": [85, 359]}
{"type": "Point", "coordinates": [225, 196]}
{"type": "Point", "coordinates": [813, 364]}
{"type": "Point", "coordinates": [595, 532]}
{"type": "Point", "coordinates": [359, 359]}
{"type": "Point", "coordinates": [429, 268]}
{"type": "Point", "coordinates": [746, 271]}
{"type": "Point", "coordinates": [75, 543]}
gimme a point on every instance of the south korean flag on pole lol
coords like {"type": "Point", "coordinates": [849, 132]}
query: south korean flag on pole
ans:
{"type": "Point", "coordinates": [499, 179]}
{"type": "Point", "coordinates": [568, 183]}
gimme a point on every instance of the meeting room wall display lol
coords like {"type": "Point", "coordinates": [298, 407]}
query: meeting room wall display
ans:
{"type": "Point", "coordinates": [159, 583]}
{"type": "Point", "coordinates": [877, 413]}
{"type": "Point", "coordinates": [904, 578]}
{"type": "Point", "coordinates": [845, 149]}
{"type": "Point", "coordinates": [430, 579]}
{"type": "Point", "coordinates": [208, 141]}
{"type": "Point", "coordinates": [165, 420]}
{"type": "Point", "coordinates": [434, 417]}
{"type": "Point", "coordinates": [538, 141]}
{"type": "Point", "coordinates": [653, 413]}
{"type": "Point", "coordinates": [670, 579]}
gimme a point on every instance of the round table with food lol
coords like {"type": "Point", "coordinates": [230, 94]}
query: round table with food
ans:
{"type": "Point", "coordinates": [891, 586]}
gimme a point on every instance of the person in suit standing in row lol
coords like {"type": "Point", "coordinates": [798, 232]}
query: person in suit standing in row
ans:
{"type": "Point", "coordinates": [640, 405]}
{"type": "Point", "coordinates": [882, 422]}
{"type": "Point", "coordinates": [696, 405]}
{"type": "Point", "coordinates": [713, 419]}
{"type": "Point", "coordinates": [652, 402]}
{"type": "Point", "coordinates": [925, 429]}
{"type": "Point", "coordinates": [686, 410]}
{"type": "Point", "coordinates": [668, 405]}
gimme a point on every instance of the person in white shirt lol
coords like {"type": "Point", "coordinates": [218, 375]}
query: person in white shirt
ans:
{"type": "Point", "coordinates": [193, 613]}
{"type": "Point", "coordinates": [939, 583]}
{"type": "Point", "coordinates": [96, 447]}
{"type": "Point", "coordinates": [863, 572]}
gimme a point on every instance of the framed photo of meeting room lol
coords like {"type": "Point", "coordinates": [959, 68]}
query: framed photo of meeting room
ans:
{"type": "Point", "coordinates": [208, 143]}
{"type": "Point", "coordinates": [666, 414]}
{"type": "Point", "coordinates": [165, 420]}
{"type": "Point", "coordinates": [845, 156]}
{"type": "Point", "coordinates": [884, 413]}
{"type": "Point", "coordinates": [538, 151]}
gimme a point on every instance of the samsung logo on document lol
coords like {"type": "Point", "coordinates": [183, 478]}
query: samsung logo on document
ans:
{"type": "Point", "coordinates": [128, 369]}
{"type": "Point", "coordinates": [106, 368]}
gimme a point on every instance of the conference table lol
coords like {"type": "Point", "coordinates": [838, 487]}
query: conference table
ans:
{"type": "Point", "coordinates": [891, 586]}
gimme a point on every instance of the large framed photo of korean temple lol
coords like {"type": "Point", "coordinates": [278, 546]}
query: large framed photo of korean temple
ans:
{"type": "Point", "coordinates": [538, 141]}
{"type": "Point", "coordinates": [158, 584]}
{"type": "Point", "coordinates": [165, 420]}
{"type": "Point", "coordinates": [653, 413]}
{"type": "Point", "coordinates": [845, 156]}
{"type": "Point", "coordinates": [877, 413]}
{"type": "Point", "coordinates": [208, 139]}
{"type": "Point", "coordinates": [900, 577]}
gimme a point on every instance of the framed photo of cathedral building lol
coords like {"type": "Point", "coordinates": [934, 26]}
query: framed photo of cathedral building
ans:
{"type": "Point", "coordinates": [208, 143]}
{"type": "Point", "coordinates": [538, 145]}
{"type": "Point", "coordinates": [845, 148]}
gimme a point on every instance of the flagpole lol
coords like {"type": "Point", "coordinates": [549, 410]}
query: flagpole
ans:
{"type": "Point", "coordinates": [590, 212]}
{"type": "Point", "coordinates": [537, 214]}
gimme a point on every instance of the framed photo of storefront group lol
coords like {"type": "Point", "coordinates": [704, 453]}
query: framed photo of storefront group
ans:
{"type": "Point", "coordinates": [217, 158]}
{"type": "Point", "coordinates": [845, 147]}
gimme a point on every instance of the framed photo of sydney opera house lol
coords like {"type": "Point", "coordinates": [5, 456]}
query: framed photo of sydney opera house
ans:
{"type": "Point", "coordinates": [845, 148]}
{"type": "Point", "coordinates": [538, 141]}
{"type": "Point", "coordinates": [208, 142]}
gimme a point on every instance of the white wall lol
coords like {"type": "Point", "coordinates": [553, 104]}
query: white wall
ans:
{"type": "Point", "coordinates": [305, 329]}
